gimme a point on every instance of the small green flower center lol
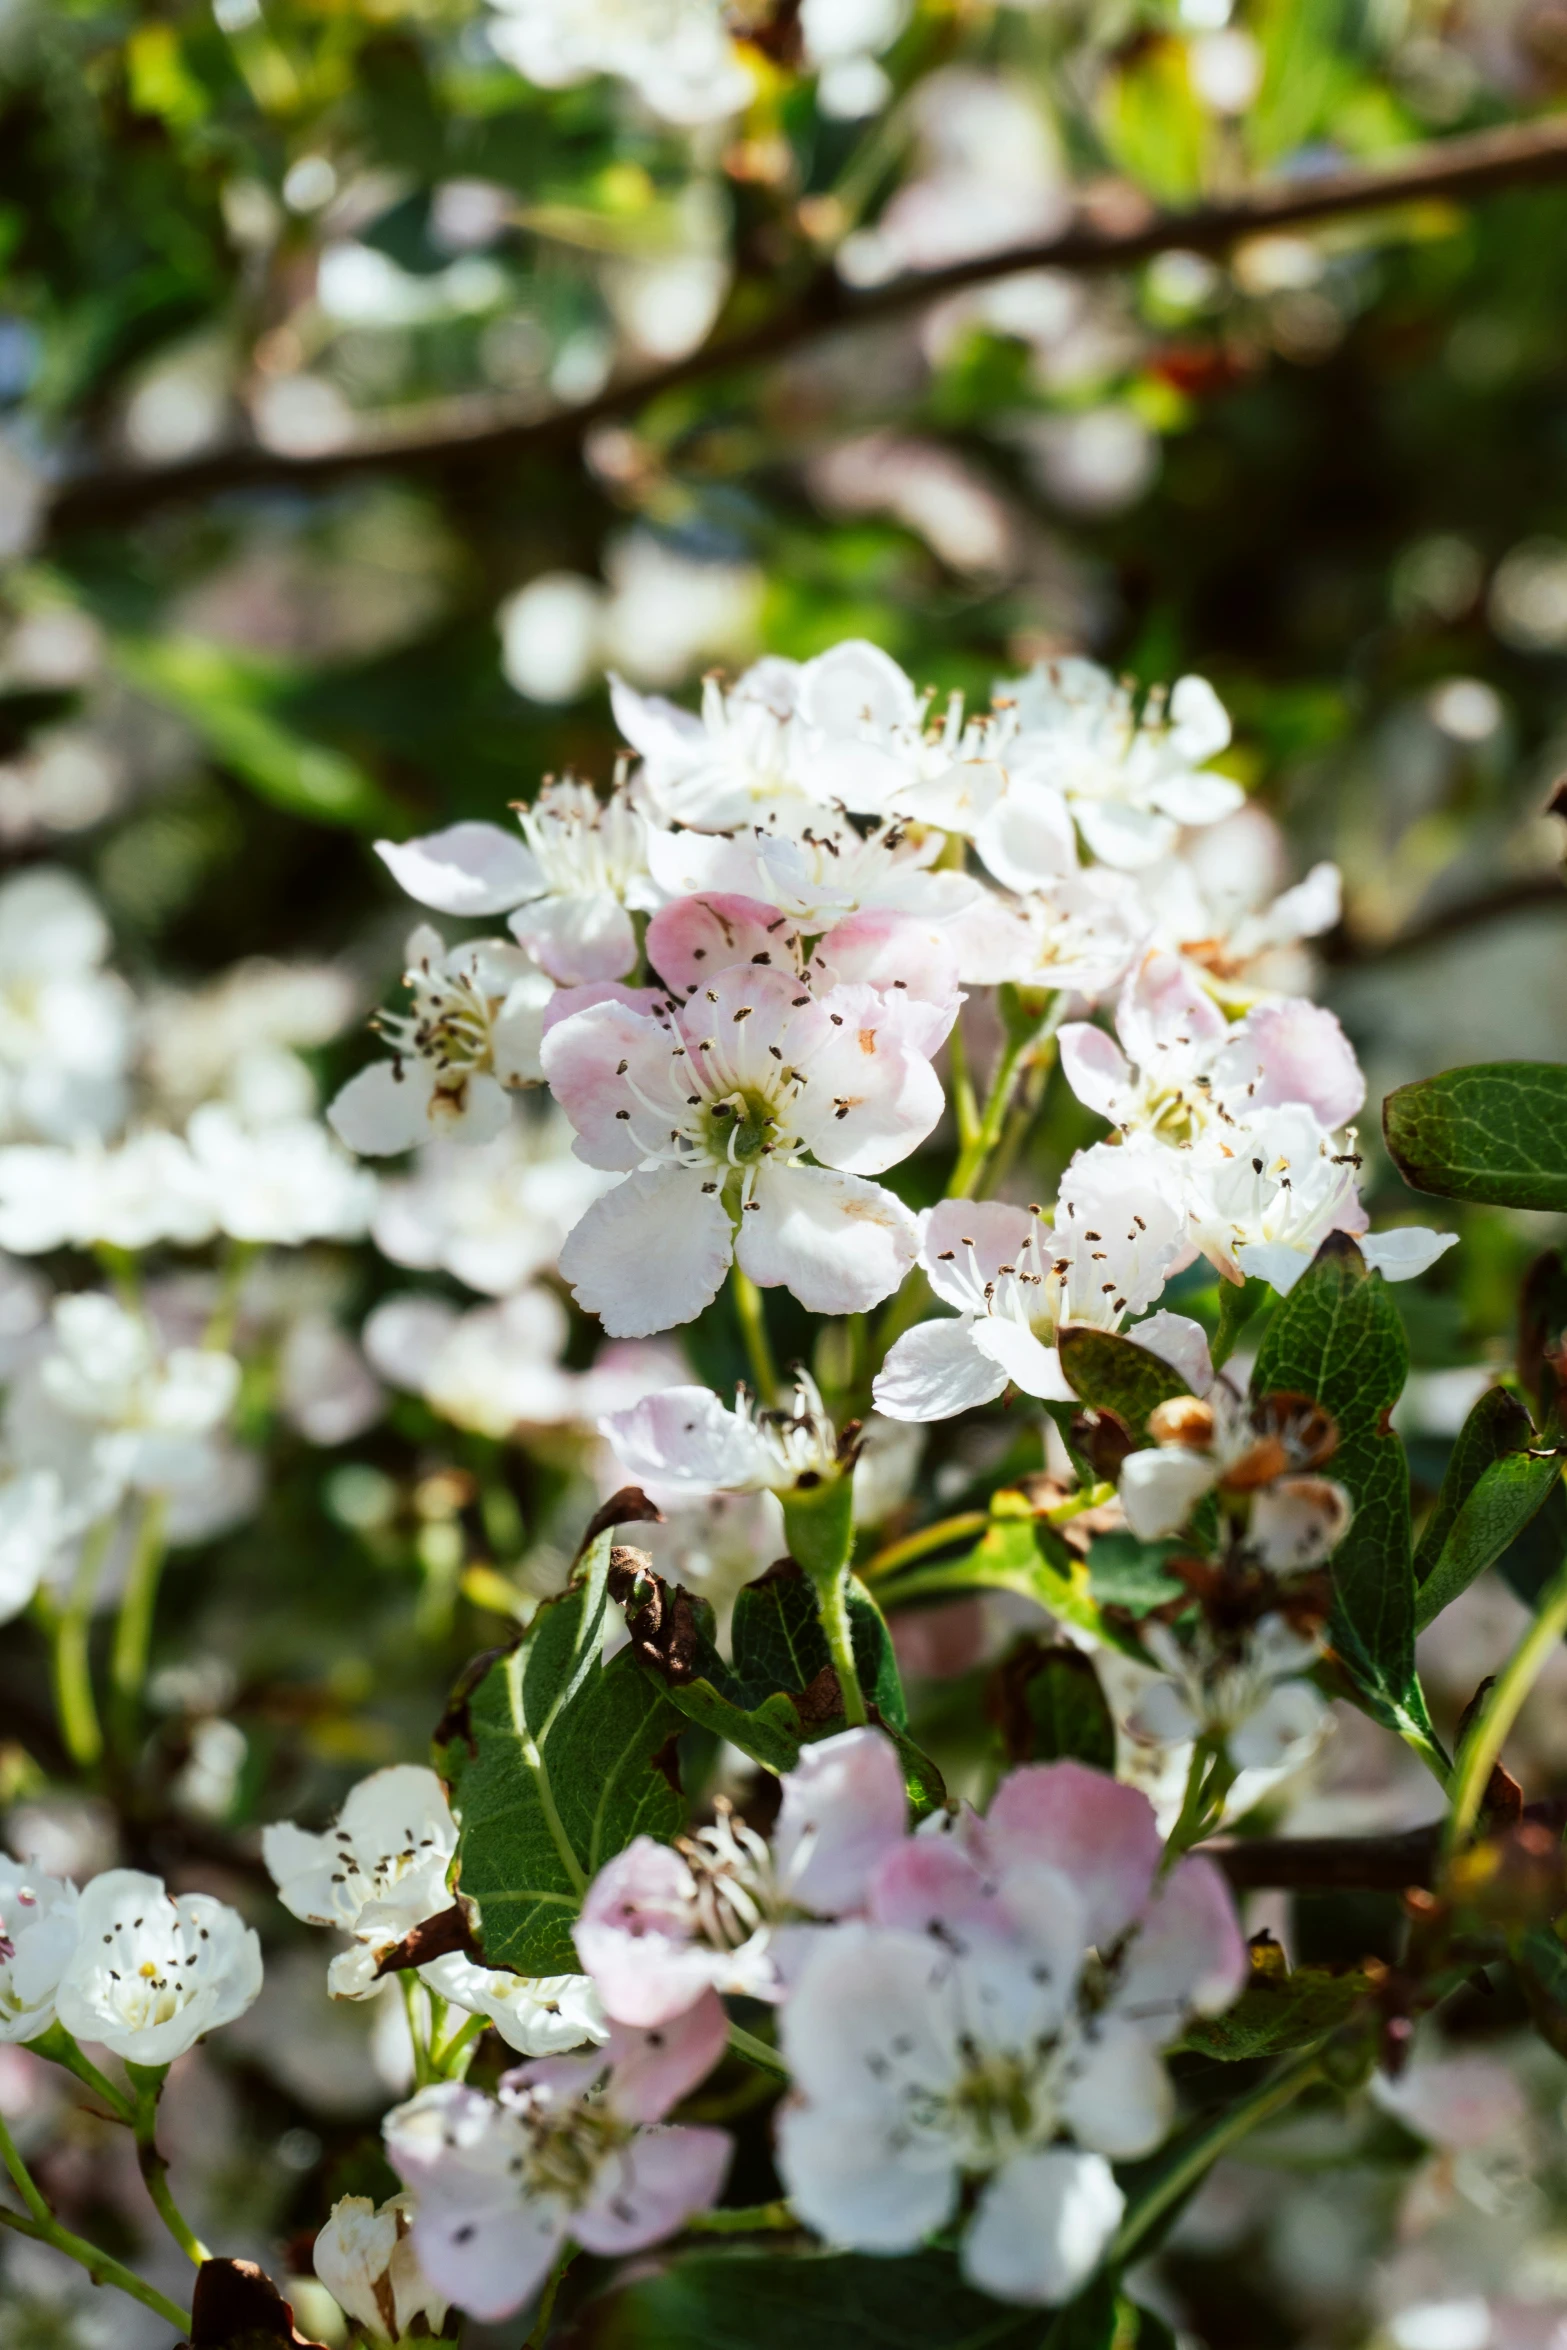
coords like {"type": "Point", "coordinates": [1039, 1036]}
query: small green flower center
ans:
{"type": "Point", "coordinates": [741, 1128]}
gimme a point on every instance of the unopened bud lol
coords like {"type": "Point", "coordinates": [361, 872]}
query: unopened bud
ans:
{"type": "Point", "coordinates": [366, 2260]}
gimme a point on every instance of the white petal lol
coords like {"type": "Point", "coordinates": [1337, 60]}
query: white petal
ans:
{"type": "Point", "coordinates": [848, 2179]}
{"type": "Point", "coordinates": [839, 1243]}
{"type": "Point", "coordinates": [1180, 1342]}
{"type": "Point", "coordinates": [1028, 839]}
{"type": "Point", "coordinates": [578, 940]}
{"type": "Point", "coordinates": [1162, 1486]}
{"type": "Point", "coordinates": [1199, 722]}
{"type": "Point", "coordinates": [935, 1371]}
{"type": "Point", "coordinates": [1096, 1069]}
{"type": "Point", "coordinates": [1197, 799]}
{"type": "Point", "coordinates": [1298, 1522]}
{"type": "Point", "coordinates": [1128, 838]}
{"type": "Point", "coordinates": [384, 1109]}
{"type": "Point", "coordinates": [652, 1253]}
{"type": "Point", "coordinates": [965, 1243]}
{"type": "Point", "coordinates": [1283, 1730]}
{"type": "Point", "coordinates": [843, 1807]}
{"type": "Point", "coordinates": [1406, 1252]}
{"type": "Point", "coordinates": [1027, 1362]}
{"type": "Point", "coordinates": [1118, 2099]}
{"type": "Point", "coordinates": [465, 869]}
{"type": "Point", "coordinates": [686, 1438]}
{"type": "Point", "coordinates": [1042, 2223]}
{"type": "Point", "coordinates": [1271, 1261]}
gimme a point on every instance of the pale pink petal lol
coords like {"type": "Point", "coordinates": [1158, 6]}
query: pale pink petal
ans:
{"type": "Point", "coordinates": [649, 2189]}
{"type": "Point", "coordinates": [855, 685]}
{"type": "Point", "coordinates": [1100, 1835]}
{"type": "Point", "coordinates": [1162, 1486]}
{"type": "Point", "coordinates": [870, 1100]}
{"type": "Point", "coordinates": [604, 1065]}
{"type": "Point", "coordinates": [853, 2178]}
{"type": "Point", "coordinates": [465, 869]}
{"type": "Point", "coordinates": [634, 1936]}
{"type": "Point", "coordinates": [909, 960]}
{"type": "Point", "coordinates": [1025, 1359]}
{"type": "Point", "coordinates": [935, 1371]}
{"type": "Point", "coordinates": [1027, 840]}
{"type": "Point", "coordinates": [1187, 1956]}
{"type": "Point", "coordinates": [1199, 722]}
{"type": "Point", "coordinates": [685, 1438]}
{"type": "Point", "coordinates": [1168, 1023]}
{"type": "Point", "coordinates": [1406, 1252]}
{"type": "Point", "coordinates": [1118, 2098]}
{"type": "Point", "coordinates": [566, 1001]}
{"type": "Point", "coordinates": [930, 1884]}
{"type": "Point", "coordinates": [578, 940]}
{"type": "Point", "coordinates": [866, 1993]}
{"type": "Point", "coordinates": [965, 1244]}
{"type": "Point", "coordinates": [652, 1253]}
{"type": "Point", "coordinates": [1293, 1051]}
{"type": "Point", "coordinates": [839, 1243]}
{"type": "Point", "coordinates": [1182, 1343]}
{"type": "Point", "coordinates": [385, 1109]}
{"type": "Point", "coordinates": [652, 2069]}
{"type": "Point", "coordinates": [1043, 2222]}
{"type": "Point", "coordinates": [1097, 1070]}
{"type": "Point", "coordinates": [488, 2262]}
{"type": "Point", "coordinates": [844, 1806]}
{"type": "Point", "coordinates": [694, 937]}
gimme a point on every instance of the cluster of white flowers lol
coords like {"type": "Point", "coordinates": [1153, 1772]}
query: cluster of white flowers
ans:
{"type": "Point", "coordinates": [122, 1963]}
{"type": "Point", "coordinates": [972, 2016]}
{"type": "Point", "coordinates": [741, 965]}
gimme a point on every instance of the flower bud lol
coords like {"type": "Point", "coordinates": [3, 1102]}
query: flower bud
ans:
{"type": "Point", "coordinates": [367, 2263]}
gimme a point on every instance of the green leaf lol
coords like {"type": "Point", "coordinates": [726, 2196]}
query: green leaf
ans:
{"type": "Point", "coordinates": [778, 1643]}
{"type": "Point", "coordinates": [1337, 1336]}
{"type": "Point", "coordinates": [226, 700]}
{"type": "Point", "coordinates": [1541, 1965]}
{"type": "Point", "coordinates": [1047, 1703]}
{"type": "Point", "coordinates": [1273, 2015]}
{"type": "Point", "coordinates": [554, 1763]}
{"type": "Point", "coordinates": [1497, 1132]}
{"type": "Point", "coordinates": [1021, 1552]}
{"type": "Point", "coordinates": [1114, 1374]}
{"type": "Point", "coordinates": [840, 2301]}
{"type": "Point", "coordinates": [1126, 1573]}
{"type": "Point", "coordinates": [1492, 1489]}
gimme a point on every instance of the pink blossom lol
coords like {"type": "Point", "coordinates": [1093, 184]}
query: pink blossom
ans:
{"type": "Point", "coordinates": [664, 1925]}
{"type": "Point", "coordinates": [709, 1106]}
{"type": "Point", "coordinates": [567, 2150]}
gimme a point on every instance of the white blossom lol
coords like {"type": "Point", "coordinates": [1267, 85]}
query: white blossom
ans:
{"type": "Point", "coordinates": [65, 1022]}
{"type": "Point", "coordinates": [286, 1182]}
{"type": "Point", "coordinates": [471, 1036]}
{"type": "Point", "coordinates": [151, 1973]}
{"type": "Point", "coordinates": [1246, 1693]}
{"type": "Point", "coordinates": [38, 1935]}
{"type": "Point", "coordinates": [376, 1874]}
{"type": "Point", "coordinates": [491, 1369]}
{"type": "Point", "coordinates": [675, 54]}
{"type": "Point", "coordinates": [538, 2015]}
{"type": "Point", "coordinates": [494, 1214]}
{"type": "Point", "coordinates": [683, 1439]}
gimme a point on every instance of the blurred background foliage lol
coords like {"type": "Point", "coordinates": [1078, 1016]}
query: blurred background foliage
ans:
{"type": "Point", "coordinates": [243, 244]}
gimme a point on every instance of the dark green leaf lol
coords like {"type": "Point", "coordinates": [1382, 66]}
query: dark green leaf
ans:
{"type": "Point", "coordinates": [1490, 1492]}
{"type": "Point", "coordinates": [1113, 1374]}
{"type": "Point", "coordinates": [1337, 1336]}
{"type": "Point", "coordinates": [778, 1643]}
{"type": "Point", "coordinates": [672, 1640]}
{"type": "Point", "coordinates": [797, 2301]}
{"type": "Point", "coordinates": [1271, 2016]}
{"type": "Point", "coordinates": [554, 1764]}
{"type": "Point", "coordinates": [1541, 1964]}
{"type": "Point", "coordinates": [1497, 1132]}
{"type": "Point", "coordinates": [1126, 1573]}
{"type": "Point", "coordinates": [1533, 1557]}
{"type": "Point", "coordinates": [1047, 1703]}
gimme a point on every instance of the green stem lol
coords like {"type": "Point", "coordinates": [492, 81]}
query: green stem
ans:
{"type": "Point", "coordinates": [832, 1602]}
{"type": "Point", "coordinates": [73, 1690]}
{"type": "Point", "coordinates": [757, 2052]}
{"type": "Point", "coordinates": [1022, 1043]}
{"type": "Point", "coordinates": [102, 2269]}
{"type": "Point", "coordinates": [133, 1629]}
{"type": "Point", "coordinates": [928, 1538]}
{"type": "Point", "coordinates": [424, 2069]}
{"type": "Point", "coordinates": [965, 1109]}
{"type": "Point", "coordinates": [148, 2086]}
{"type": "Point", "coordinates": [1482, 1748]}
{"type": "Point", "coordinates": [451, 2059]}
{"type": "Point", "coordinates": [1198, 2158]}
{"type": "Point", "coordinates": [753, 1329]}
{"type": "Point", "coordinates": [538, 2332]}
{"type": "Point", "coordinates": [57, 2047]}
{"type": "Point", "coordinates": [1209, 1779]}
{"type": "Point", "coordinates": [219, 1333]}
{"type": "Point", "coordinates": [742, 2220]}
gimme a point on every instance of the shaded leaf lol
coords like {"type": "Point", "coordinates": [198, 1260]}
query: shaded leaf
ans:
{"type": "Point", "coordinates": [778, 1643]}
{"type": "Point", "coordinates": [1490, 1492]}
{"type": "Point", "coordinates": [1542, 1334]}
{"type": "Point", "coordinates": [783, 2301]}
{"type": "Point", "coordinates": [1338, 1337]}
{"type": "Point", "coordinates": [1126, 1573]}
{"type": "Point", "coordinates": [1277, 2013]}
{"type": "Point", "coordinates": [1047, 1704]}
{"type": "Point", "coordinates": [1540, 1962]}
{"type": "Point", "coordinates": [1114, 1374]}
{"type": "Point", "coordinates": [554, 1760]}
{"type": "Point", "coordinates": [1496, 1132]}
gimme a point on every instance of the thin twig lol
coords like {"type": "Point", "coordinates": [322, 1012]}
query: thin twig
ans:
{"type": "Point", "coordinates": [1108, 230]}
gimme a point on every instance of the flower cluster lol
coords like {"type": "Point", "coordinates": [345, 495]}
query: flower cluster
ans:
{"type": "Point", "coordinates": [971, 2014]}
{"type": "Point", "coordinates": [735, 975]}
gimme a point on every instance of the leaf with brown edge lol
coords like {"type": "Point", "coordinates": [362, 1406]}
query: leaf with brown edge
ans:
{"type": "Point", "coordinates": [237, 2307]}
{"type": "Point", "coordinates": [629, 1507]}
{"type": "Point", "coordinates": [1114, 1374]}
{"type": "Point", "coordinates": [437, 1937]}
